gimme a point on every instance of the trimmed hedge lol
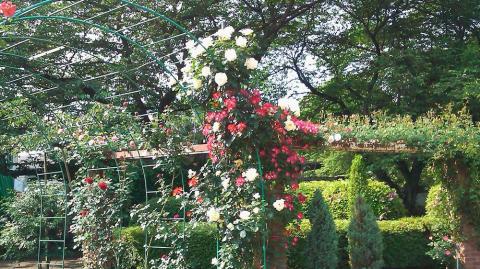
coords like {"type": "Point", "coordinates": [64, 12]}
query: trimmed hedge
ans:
{"type": "Point", "coordinates": [381, 198]}
{"type": "Point", "coordinates": [405, 242]}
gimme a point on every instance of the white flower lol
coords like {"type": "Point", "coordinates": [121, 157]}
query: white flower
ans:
{"type": "Point", "coordinates": [197, 51]}
{"type": "Point", "coordinates": [190, 44]}
{"type": "Point", "coordinates": [337, 137]}
{"type": "Point", "coordinates": [290, 125]}
{"type": "Point", "coordinates": [230, 55]}
{"type": "Point", "coordinates": [251, 174]}
{"type": "Point", "coordinates": [191, 173]}
{"type": "Point", "coordinates": [172, 81]}
{"type": "Point", "coordinates": [207, 42]}
{"type": "Point", "coordinates": [230, 226]}
{"type": "Point", "coordinates": [256, 210]}
{"type": "Point", "coordinates": [225, 33]}
{"type": "Point", "coordinates": [225, 182]}
{"type": "Point", "coordinates": [331, 139]}
{"type": "Point", "coordinates": [216, 127]}
{"type": "Point", "coordinates": [279, 204]}
{"type": "Point", "coordinates": [246, 31]}
{"type": "Point", "coordinates": [206, 71]}
{"type": "Point", "coordinates": [251, 63]}
{"type": "Point", "coordinates": [214, 261]}
{"type": "Point", "coordinates": [213, 215]}
{"type": "Point", "coordinates": [256, 195]}
{"type": "Point", "coordinates": [244, 215]}
{"type": "Point", "coordinates": [218, 173]}
{"type": "Point", "coordinates": [221, 79]}
{"type": "Point", "coordinates": [241, 41]}
{"type": "Point", "coordinates": [197, 83]}
{"type": "Point", "coordinates": [91, 142]}
{"type": "Point", "coordinates": [60, 131]}
{"type": "Point", "coordinates": [187, 68]}
{"type": "Point", "coordinates": [243, 234]}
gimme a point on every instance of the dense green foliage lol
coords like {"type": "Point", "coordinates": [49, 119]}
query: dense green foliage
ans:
{"type": "Point", "coordinates": [357, 181]}
{"type": "Point", "coordinates": [365, 244]}
{"type": "Point", "coordinates": [322, 242]}
{"type": "Point", "coordinates": [19, 236]}
{"type": "Point", "coordinates": [383, 199]}
{"type": "Point", "coordinates": [405, 243]}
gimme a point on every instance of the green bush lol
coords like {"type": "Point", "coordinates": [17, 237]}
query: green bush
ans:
{"type": "Point", "coordinates": [200, 245]}
{"type": "Point", "coordinates": [357, 181]}
{"type": "Point", "coordinates": [382, 199]}
{"type": "Point", "coordinates": [322, 242]}
{"type": "Point", "coordinates": [405, 244]}
{"type": "Point", "coordinates": [405, 240]}
{"type": "Point", "coordinates": [365, 243]}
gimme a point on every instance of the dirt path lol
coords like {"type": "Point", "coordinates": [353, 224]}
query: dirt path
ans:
{"type": "Point", "coordinates": [33, 264]}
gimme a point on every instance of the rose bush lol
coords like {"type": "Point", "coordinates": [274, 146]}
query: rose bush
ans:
{"type": "Point", "coordinates": [250, 187]}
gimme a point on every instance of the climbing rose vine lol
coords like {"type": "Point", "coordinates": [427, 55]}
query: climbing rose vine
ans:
{"type": "Point", "coordinates": [249, 187]}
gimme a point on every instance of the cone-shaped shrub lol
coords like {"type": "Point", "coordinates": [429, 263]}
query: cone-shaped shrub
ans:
{"type": "Point", "coordinates": [322, 241]}
{"type": "Point", "coordinates": [365, 246]}
{"type": "Point", "coordinates": [358, 180]}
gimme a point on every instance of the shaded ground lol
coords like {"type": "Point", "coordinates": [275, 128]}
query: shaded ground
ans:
{"type": "Point", "coordinates": [33, 264]}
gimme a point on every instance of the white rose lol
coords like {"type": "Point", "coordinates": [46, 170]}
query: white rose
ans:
{"type": "Point", "coordinates": [230, 55]}
{"type": "Point", "coordinates": [225, 33]}
{"type": "Point", "coordinates": [196, 51]}
{"type": "Point", "coordinates": [230, 226]}
{"type": "Point", "coordinates": [290, 125]}
{"type": "Point", "coordinates": [225, 182]}
{"type": "Point", "coordinates": [191, 173]}
{"type": "Point", "coordinates": [216, 127]}
{"type": "Point", "coordinates": [206, 71]}
{"type": "Point", "coordinates": [214, 261]}
{"type": "Point", "coordinates": [207, 42]}
{"type": "Point", "coordinates": [256, 195]}
{"type": "Point", "coordinates": [218, 173]}
{"type": "Point", "coordinates": [190, 44]}
{"type": "Point", "coordinates": [283, 103]}
{"type": "Point", "coordinates": [243, 234]}
{"type": "Point", "coordinates": [244, 215]}
{"type": "Point", "coordinates": [246, 31]}
{"type": "Point", "coordinates": [241, 41]}
{"type": "Point", "coordinates": [187, 68]}
{"type": "Point", "coordinates": [337, 137]}
{"type": "Point", "coordinates": [221, 79]}
{"type": "Point", "coordinates": [331, 139]}
{"type": "Point", "coordinates": [256, 210]}
{"type": "Point", "coordinates": [197, 83]}
{"type": "Point", "coordinates": [251, 63]}
{"type": "Point", "coordinates": [279, 204]}
{"type": "Point", "coordinates": [172, 81]}
{"type": "Point", "coordinates": [213, 215]}
{"type": "Point", "coordinates": [251, 174]}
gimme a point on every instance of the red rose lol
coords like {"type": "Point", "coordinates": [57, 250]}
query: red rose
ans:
{"type": "Point", "coordinates": [239, 181]}
{"type": "Point", "coordinates": [177, 191]}
{"type": "Point", "coordinates": [88, 180]}
{"type": "Point", "coordinates": [300, 215]}
{"type": "Point", "coordinates": [301, 198]}
{"type": "Point", "coordinates": [102, 185]}
{"type": "Point", "coordinates": [216, 95]}
{"type": "Point", "coordinates": [188, 214]}
{"type": "Point", "coordinates": [8, 9]}
{"type": "Point", "coordinates": [193, 182]}
{"type": "Point", "coordinates": [83, 213]}
{"type": "Point", "coordinates": [294, 185]}
{"type": "Point", "coordinates": [176, 216]}
{"type": "Point", "coordinates": [232, 128]}
{"type": "Point", "coordinates": [241, 126]}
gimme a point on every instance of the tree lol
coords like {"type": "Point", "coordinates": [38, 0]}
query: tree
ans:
{"type": "Point", "coordinates": [322, 241]}
{"type": "Point", "coordinates": [358, 180]}
{"type": "Point", "coordinates": [365, 246]}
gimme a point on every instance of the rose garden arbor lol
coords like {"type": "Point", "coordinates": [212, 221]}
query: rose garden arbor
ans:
{"type": "Point", "coordinates": [111, 91]}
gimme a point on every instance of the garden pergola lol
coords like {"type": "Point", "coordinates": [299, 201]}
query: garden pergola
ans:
{"type": "Point", "coordinates": [64, 57]}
